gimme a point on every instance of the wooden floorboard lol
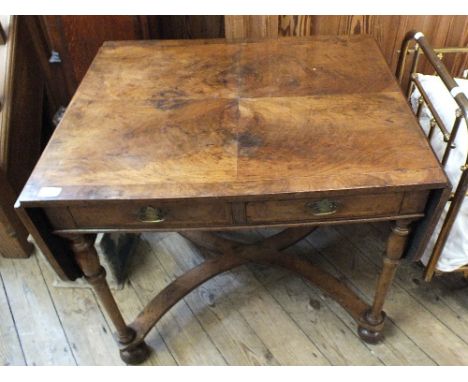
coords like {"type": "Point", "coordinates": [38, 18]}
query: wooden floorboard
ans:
{"type": "Point", "coordinates": [11, 352]}
{"type": "Point", "coordinates": [253, 315]}
{"type": "Point", "coordinates": [266, 319]}
{"type": "Point", "coordinates": [308, 307]}
{"type": "Point", "coordinates": [441, 345]}
{"type": "Point", "coordinates": [40, 331]}
{"type": "Point", "coordinates": [227, 328]}
{"type": "Point", "coordinates": [88, 332]}
{"type": "Point", "coordinates": [181, 331]}
{"type": "Point", "coordinates": [434, 296]}
{"type": "Point", "coordinates": [397, 349]}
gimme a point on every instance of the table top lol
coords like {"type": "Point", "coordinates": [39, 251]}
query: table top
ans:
{"type": "Point", "coordinates": [194, 119]}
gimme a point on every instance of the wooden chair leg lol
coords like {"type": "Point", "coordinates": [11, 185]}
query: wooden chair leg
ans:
{"type": "Point", "coordinates": [87, 259]}
{"type": "Point", "coordinates": [372, 322]}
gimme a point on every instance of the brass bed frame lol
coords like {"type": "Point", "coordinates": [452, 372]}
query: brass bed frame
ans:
{"type": "Point", "coordinates": [410, 78]}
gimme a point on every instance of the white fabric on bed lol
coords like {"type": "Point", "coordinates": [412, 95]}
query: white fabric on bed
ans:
{"type": "Point", "coordinates": [455, 253]}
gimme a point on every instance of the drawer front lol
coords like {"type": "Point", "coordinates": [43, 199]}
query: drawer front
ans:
{"type": "Point", "coordinates": [153, 215]}
{"type": "Point", "coordinates": [327, 208]}
{"type": "Point", "coordinates": [199, 214]}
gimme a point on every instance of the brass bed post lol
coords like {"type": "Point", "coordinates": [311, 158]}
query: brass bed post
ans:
{"type": "Point", "coordinates": [420, 105]}
{"type": "Point", "coordinates": [453, 135]}
{"type": "Point", "coordinates": [462, 113]}
{"type": "Point", "coordinates": [413, 69]}
{"type": "Point", "coordinates": [435, 61]}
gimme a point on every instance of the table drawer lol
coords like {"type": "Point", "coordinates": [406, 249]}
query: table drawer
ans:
{"type": "Point", "coordinates": [327, 208]}
{"type": "Point", "coordinates": [152, 215]}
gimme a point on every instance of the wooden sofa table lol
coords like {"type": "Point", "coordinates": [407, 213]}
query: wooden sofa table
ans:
{"type": "Point", "coordinates": [204, 136]}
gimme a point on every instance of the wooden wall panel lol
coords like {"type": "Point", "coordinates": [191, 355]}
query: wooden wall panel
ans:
{"type": "Point", "coordinates": [181, 27]}
{"type": "Point", "coordinates": [250, 27]}
{"type": "Point", "coordinates": [441, 31]}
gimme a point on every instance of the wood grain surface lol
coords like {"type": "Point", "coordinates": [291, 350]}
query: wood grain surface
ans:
{"type": "Point", "coordinates": [157, 121]}
{"type": "Point", "coordinates": [241, 27]}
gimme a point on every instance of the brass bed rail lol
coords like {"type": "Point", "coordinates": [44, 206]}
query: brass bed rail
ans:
{"type": "Point", "coordinates": [433, 56]}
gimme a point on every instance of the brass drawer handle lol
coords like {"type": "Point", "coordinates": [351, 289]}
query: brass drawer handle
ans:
{"type": "Point", "coordinates": [322, 207]}
{"type": "Point", "coordinates": [151, 215]}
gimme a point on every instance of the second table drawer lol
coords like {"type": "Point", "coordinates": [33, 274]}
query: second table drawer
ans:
{"type": "Point", "coordinates": [357, 206]}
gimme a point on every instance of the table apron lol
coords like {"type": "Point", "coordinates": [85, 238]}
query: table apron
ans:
{"type": "Point", "coordinates": [137, 216]}
{"type": "Point", "coordinates": [238, 227]}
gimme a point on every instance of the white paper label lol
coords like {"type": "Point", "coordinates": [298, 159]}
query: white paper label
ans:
{"type": "Point", "coordinates": [49, 192]}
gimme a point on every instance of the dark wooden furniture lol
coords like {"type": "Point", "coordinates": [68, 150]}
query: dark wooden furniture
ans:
{"type": "Point", "coordinates": [199, 136]}
{"type": "Point", "coordinates": [13, 235]}
{"type": "Point", "coordinates": [23, 128]}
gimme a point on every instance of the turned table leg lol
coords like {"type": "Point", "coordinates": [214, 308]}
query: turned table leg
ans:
{"type": "Point", "coordinates": [87, 259]}
{"type": "Point", "coordinates": [372, 322]}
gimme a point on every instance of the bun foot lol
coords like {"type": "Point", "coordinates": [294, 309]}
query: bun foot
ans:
{"type": "Point", "coordinates": [135, 355]}
{"type": "Point", "coordinates": [370, 329]}
{"type": "Point", "coordinates": [370, 336]}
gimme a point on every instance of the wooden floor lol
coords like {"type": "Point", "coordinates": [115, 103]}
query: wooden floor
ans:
{"type": "Point", "coordinates": [253, 315]}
